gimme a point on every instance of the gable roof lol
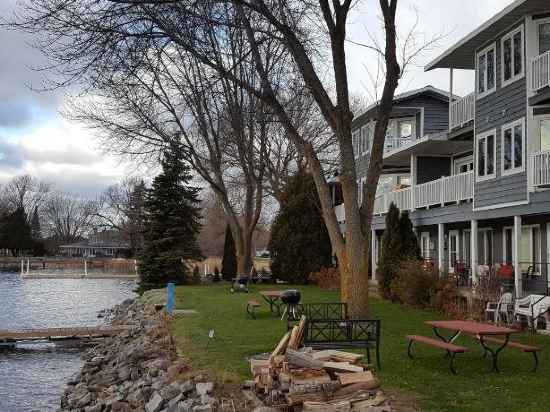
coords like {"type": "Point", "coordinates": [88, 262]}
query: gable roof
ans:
{"type": "Point", "coordinates": [462, 54]}
{"type": "Point", "coordinates": [427, 90]}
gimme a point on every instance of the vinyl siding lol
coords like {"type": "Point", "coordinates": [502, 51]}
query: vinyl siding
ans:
{"type": "Point", "coordinates": [501, 107]}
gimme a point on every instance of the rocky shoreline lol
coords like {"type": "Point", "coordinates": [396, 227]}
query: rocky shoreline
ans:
{"type": "Point", "coordinates": [137, 370]}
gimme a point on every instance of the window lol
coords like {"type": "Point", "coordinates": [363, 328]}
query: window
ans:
{"type": "Point", "coordinates": [365, 138]}
{"type": "Point", "coordinates": [512, 56]}
{"type": "Point", "coordinates": [543, 34]}
{"type": "Point", "coordinates": [530, 247]}
{"type": "Point", "coordinates": [513, 144]}
{"type": "Point", "coordinates": [485, 247]}
{"type": "Point", "coordinates": [485, 153]}
{"type": "Point", "coordinates": [544, 133]}
{"type": "Point", "coordinates": [355, 136]}
{"type": "Point", "coordinates": [405, 128]}
{"type": "Point", "coordinates": [486, 71]}
{"type": "Point", "coordinates": [425, 245]}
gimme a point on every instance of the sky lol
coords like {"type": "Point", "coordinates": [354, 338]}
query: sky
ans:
{"type": "Point", "coordinates": [36, 139]}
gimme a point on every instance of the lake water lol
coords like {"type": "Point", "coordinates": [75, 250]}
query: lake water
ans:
{"type": "Point", "coordinates": [33, 377]}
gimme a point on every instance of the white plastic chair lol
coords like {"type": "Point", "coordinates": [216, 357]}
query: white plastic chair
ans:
{"type": "Point", "coordinates": [531, 307]}
{"type": "Point", "coordinates": [497, 309]}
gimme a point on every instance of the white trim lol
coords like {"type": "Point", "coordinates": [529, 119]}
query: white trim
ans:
{"type": "Point", "coordinates": [425, 253]}
{"type": "Point", "coordinates": [485, 51]}
{"type": "Point", "coordinates": [481, 136]}
{"type": "Point", "coordinates": [511, 126]}
{"type": "Point", "coordinates": [455, 233]}
{"type": "Point", "coordinates": [538, 118]}
{"type": "Point", "coordinates": [466, 240]}
{"type": "Point", "coordinates": [510, 36]}
{"type": "Point", "coordinates": [537, 23]}
{"type": "Point", "coordinates": [501, 206]}
{"type": "Point", "coordinates": [504, 255]}
{"type": "Point", "coordinates": [462, 161]}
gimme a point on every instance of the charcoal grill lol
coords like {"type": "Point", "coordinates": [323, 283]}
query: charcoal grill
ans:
{"type": "Point", "coordinates": [290, 298]}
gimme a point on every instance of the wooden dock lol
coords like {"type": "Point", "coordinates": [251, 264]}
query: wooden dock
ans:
{"type": "Point", "coordinates": [56, 334]}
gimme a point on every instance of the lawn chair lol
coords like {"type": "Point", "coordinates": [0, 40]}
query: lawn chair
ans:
{"type": "Point", "coordinates": [502, 308]}
{"type": "Point", "coordinates": [531, 307]}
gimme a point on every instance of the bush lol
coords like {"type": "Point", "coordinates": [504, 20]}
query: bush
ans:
{"type": "Point", "coordinates": [326, 278]}
{"type": "Point", "coordinates": [413, 284]}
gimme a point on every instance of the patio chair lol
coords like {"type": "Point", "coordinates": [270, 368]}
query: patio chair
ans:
{"type": "Point", "coordinates": [501, 308]}
{"type": "Point", "coordinates": [531, 307]}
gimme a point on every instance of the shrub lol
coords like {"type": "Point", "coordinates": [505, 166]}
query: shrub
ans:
{"type": "Point", "coordinates": [326, 278]}
{"type": "Point", "coordinates": [413, 284]}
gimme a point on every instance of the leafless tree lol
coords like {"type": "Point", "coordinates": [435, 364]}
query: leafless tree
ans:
{"type": "Point", "coordinates": [87, 40]}
{"type": "Point", "coordinates": [68, 218]}
{"type": "Point", "coordinates": [25, 191]}
{"type": "Point", "coordinates": [120, 207]}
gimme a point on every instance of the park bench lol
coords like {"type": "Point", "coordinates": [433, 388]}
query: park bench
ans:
{"type": "Point", "coordinates": [524, 348]}
{"type": "Point", "coordinates": [450, 348]}
{"type": "Point", "coordinates": [251, 306]}
{"type": "Point", "coordinates": [317, 311]}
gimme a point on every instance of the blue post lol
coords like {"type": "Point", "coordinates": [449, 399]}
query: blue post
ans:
{"type": "Point", "coordinates": [170, 297]}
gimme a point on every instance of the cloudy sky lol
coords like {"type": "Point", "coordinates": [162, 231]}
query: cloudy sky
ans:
{"type": "Point", "coordinates": [35, 139]}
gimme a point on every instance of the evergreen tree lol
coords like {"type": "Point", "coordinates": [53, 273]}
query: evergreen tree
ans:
{"type": "Point", "coordinates": [390, 252]}
{"type": "Point", "coordinates": [299, 243]}
{"type": "Point", "coordinates": [229, 261]}
{"type": "Point", "coordinates": [172, 223]}
{"type": "Point", "coordinates": [15, 233]}
{"type": "Point", "coordinates": [410, 249]}
{"type": "Point", "coordinates": [38, 248]}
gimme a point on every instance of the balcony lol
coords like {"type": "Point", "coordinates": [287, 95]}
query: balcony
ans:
{"type": "Point", "coordinates": [340, 213]}
{"type": "Point", "coordinates": [539, 170]}
{"type": "Point", "coordinates": [540, 69]}
{"type": "Point", "coordinates": [395, 143]}
{"type": "Point", "coordinates": [462, 111]}
{"type": "Point", "coordinates": [452, 189]}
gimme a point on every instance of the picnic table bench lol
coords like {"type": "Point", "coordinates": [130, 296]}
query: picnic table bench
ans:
{"type": "Point", "coordinates": [524, 348]}
{"type": "Point", "coordinates": [273, 299]}
{"type": "Point", "coordinates": [251, 306]}
{"type": "Point", "coordinates": [451, 348]}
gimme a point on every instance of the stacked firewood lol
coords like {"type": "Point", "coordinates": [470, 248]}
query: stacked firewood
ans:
{"type": "Point", "coordinates": [302, 379]}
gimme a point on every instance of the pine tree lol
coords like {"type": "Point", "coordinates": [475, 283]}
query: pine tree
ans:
{"type": "Point", "coordinates": [410, 249]}
{"type": "Point", "coordinates": [299, 243]}
{"type": "Point", "coordinates": [390, 252]}
{"type": "Point", "coordinates": [38, 248]}
{"type": "Point", "coordinates": [229, 261]}
{"type": "Point", "coordinates": [172, 223]}
{"type": "Point", "coordinates": [15, 232]}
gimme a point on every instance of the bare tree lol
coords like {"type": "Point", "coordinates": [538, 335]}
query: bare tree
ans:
{"type": "Point", "coordinates": [25, 191]}
{"type": "Point", "coordinates": [68, 218]}
{"type": "Point", "coordinates": [87, 40]}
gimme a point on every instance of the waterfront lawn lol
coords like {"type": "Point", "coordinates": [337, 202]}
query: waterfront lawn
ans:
{"type": "Point", "coordinates": [426, 379]}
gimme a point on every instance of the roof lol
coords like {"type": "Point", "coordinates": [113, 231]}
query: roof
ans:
{"type": "Point", "coordinates": [429, 89]}
{"type": "Point", "coordinates": [462, 54]}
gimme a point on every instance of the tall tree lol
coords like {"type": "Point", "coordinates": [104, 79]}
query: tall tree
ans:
{"type": "Point", "coordinates": [25, 191]}
{"type": "Point", "coordinates": [172, 223]}
{"type": "Point", "coordinates": [35, 225]}
{"type": "Point", "coordinates": [91, 40]}
{"type": "Point", "coordinates": [299, 242]}
{"type": "Point", "coordinates": [410, 248]}
{"type": "Point", "coordinates": [229, 261]}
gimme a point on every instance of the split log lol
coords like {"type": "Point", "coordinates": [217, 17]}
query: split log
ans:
{"type": "Point", "coordinates": [303, 360]}
{"type": "Point", "coordinates": [294, 399]}
{"type": "Point", "coordinates": [278, 360]}
{"type": "Point", "coordinates": [361, 377]}
{"type": "Point", "coordinates": [326, 407]}
{"type": "Point", "coordinates": [342, 367]}
{"type": "Point", "coordinates": [281, 347]}
{"type": "Point", "coordinates": [256, 365]}
{"type": "Point", "coordinates": [305, 376]}
{"type": "Point", "coordinates": [354, 388]}
{"type": "Point", "coordinates": [337, 356]}
{"type": "Point", "coordinates": [292, 343]}
{"type": "Point", "coordinates": [327, 387]}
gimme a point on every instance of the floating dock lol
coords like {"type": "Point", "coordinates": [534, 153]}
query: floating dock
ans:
{"type": "Point", "coordinates": [77, 276]}
{"type": "Point", "coordinates": [11, 337]}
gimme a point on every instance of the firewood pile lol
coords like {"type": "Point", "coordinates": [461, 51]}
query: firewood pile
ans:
{"type": "Point", "coordinates": [302, 379]}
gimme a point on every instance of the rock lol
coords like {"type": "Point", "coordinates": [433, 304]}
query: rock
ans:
{"type": "Point", "coordinates": [203, 408]}
{"type": "Point", "coordinates": [136, 398]}
{"type": "Point", "coordinates": [174, 401]}
{"type": "Point", "coordinates": [265, 409]}
{"type": "Point", "coordinates": [204, 388]}
{"type": "Point", "coordinates": [155, 403]}
{"type": "Point", "coordinates": [185, 406]}
{"type": "Point", "coordinates": [119, 406]}
{"type": "Point", "coordinates": [175, 369]}
{"type": "Point", "coordinates": [170, 391]}
{"type": "Point", "coordinates": [84, 401]}
{"type": "Point", "coordinates": [209, 400]}
{"type": "Point", "coordinates": [94, 408]}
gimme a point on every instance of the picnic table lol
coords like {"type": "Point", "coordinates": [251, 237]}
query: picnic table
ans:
{"type": "Point", "coordinates": [483, 332]}
{"type": "Point", "coordinates": [273, 298]}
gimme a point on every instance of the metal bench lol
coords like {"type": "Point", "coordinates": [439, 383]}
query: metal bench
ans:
{"type": "Point", "coordinates": [520, 346]}
{"type": "Point", "coordinates": [317, 311]}
{"type": "Point", "coordinates": [451, 348]}
{"type": "Point", "coordinates": [344, 334]}
{"type": "Point", "coordinates": [251, 306]}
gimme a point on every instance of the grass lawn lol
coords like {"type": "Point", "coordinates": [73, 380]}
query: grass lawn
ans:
{"type": "Point", "coordinates": [427, 378]}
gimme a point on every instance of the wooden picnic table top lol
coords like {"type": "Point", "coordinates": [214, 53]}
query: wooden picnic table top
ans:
{"type": "Point", "coordinates": [471, 327]}
{"type": "Point", "coordinates": [271, 293]}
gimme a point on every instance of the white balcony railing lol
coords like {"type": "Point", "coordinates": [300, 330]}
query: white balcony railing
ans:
{"type": "Point", "coordinates": [437, 192]}
{"type": "Point", "coordinates": [462, 111]}
{"type": "Point", "coordinates": [539, 169]}
{"type": "Point", "coordinates": [540, 67]}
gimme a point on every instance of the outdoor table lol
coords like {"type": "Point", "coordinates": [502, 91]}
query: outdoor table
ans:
{"type": "Point", "coordinates": [477, 329]}
{"type": "Point", "coordinates": [273, 298]}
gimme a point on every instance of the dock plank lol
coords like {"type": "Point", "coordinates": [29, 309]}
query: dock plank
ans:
{"type": "Point", "coordinates": [61, 333]}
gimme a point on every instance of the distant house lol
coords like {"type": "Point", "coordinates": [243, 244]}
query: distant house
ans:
{"type": "Point", "coordinates": [89, 248]}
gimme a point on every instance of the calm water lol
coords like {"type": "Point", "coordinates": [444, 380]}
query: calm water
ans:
{"type": "Point", "coordinates": [32, 378]}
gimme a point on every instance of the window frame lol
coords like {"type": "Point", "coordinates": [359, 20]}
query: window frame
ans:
{"type": "Point", "coordinates": [512, 126]}
{"type": "Point", "coordinates": [485, 51]}
{"type": "Point", "coordinates": [510, 36]}
{"type": "Point", "coordinates": [538, 121]}
{"type": "Point", "coordinates": [479, 137]}
{"type": "Point", "coordinates": [355, 139]}
{"type": "Point", "coordinates": [538, 23]}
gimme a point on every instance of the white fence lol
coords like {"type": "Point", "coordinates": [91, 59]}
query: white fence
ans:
{"type": "Point", "coordinates": [437, 192]}
{"type": "Point", "coordinates": [539, 169]}
{"type": "Point", "coordinates": [462, 111]}
{"type": "Point", "coordinates": [540, 67]}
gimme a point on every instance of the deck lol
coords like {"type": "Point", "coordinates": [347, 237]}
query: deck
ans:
{"type": "Point", "coordinates": [53, 334]}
